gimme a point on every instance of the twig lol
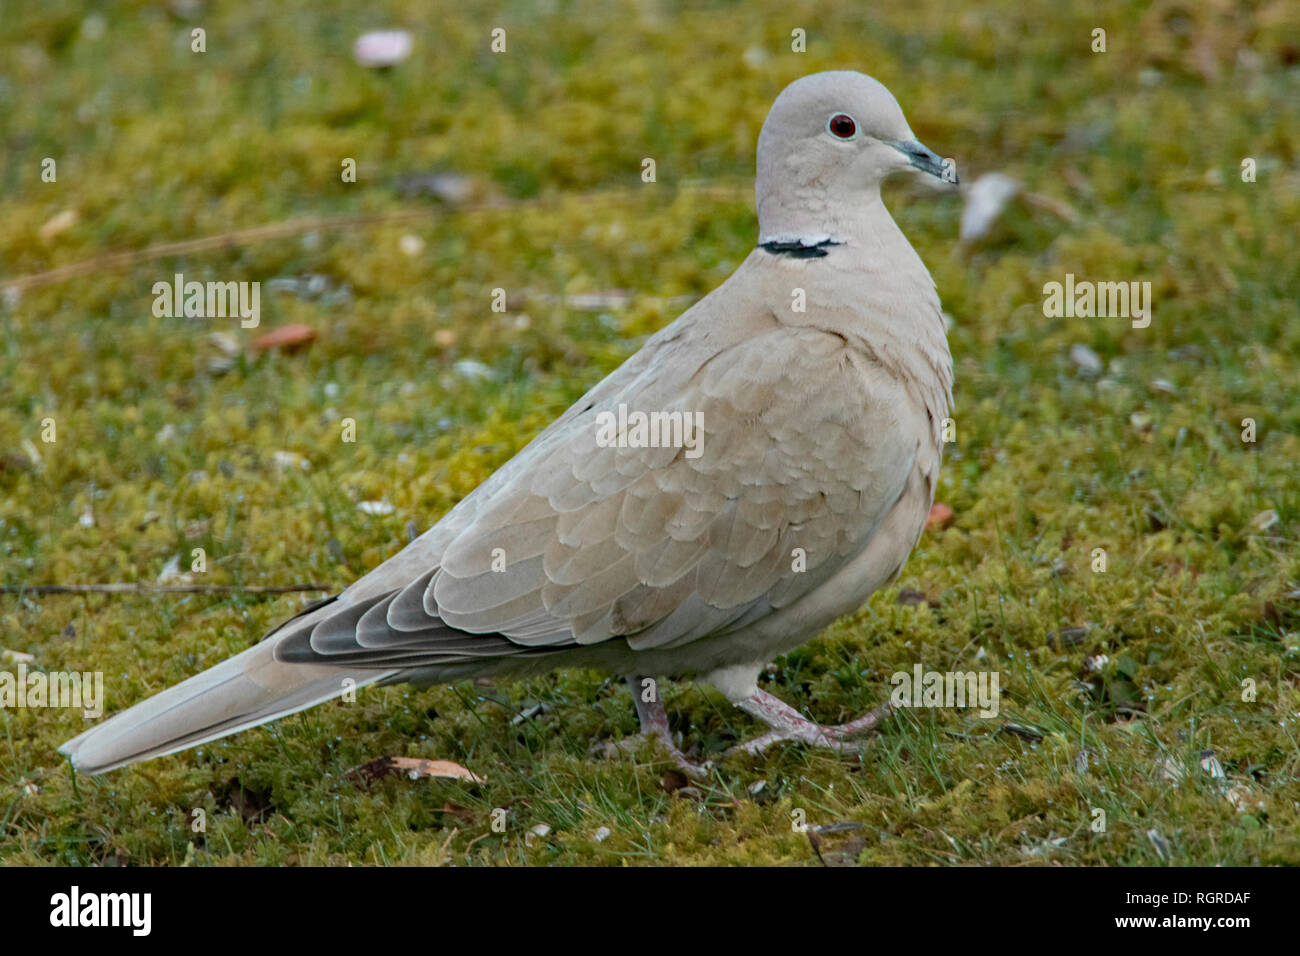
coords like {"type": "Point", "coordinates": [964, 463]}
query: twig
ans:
{"type": "Point", "coordinates": [293, 227]}
{"type": "Point", "coordinates": [227, 240]}
{"type": "Point", "coordinates": [159, 588]}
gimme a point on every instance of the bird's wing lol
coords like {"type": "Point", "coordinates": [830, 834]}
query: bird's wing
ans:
{"type": "Point", "coordinates": [805, 445]}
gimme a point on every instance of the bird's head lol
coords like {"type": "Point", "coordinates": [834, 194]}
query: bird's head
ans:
{"type": "Point", "coordinates": [829, 141]}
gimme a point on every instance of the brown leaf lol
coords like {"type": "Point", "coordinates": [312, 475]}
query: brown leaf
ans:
{"type": "Point", "coordinates": [909, 598]}
{"type": "Point", "coordinates": [463, 814]}
{"type": "Point", "coordinates": [1177, 567]}
{"type": "Point", "coordinates": [413, 767]}
{"type": "Point", "coordinates": [251, 804]}
{"type": "Point", "coordinates": [416, 767]}
{"type": "Point", "coordinates": [286, 337]}
{"type": "Point", "coordinates": [940, 517]}
{"type": "Point", "coordinates": [672, 781]}
{"type": "Point", "coordinates": [372, 770]}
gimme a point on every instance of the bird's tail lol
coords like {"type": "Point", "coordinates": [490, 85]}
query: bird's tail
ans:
{"type": "Point", "coordinates": [250, 688]}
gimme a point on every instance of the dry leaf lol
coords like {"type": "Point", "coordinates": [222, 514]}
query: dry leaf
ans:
{"type": "Point", "coordinates": [416, 768]}
{"type": "Point", "coordinates": [286, 337]}
{"type": "Point", "coordinates": [673, 780]}
{"type": "Point", "coordinates": [413, 767]}
{"type": "Point", "coordinates": [1265, 520]}
{"type": "Point", "coordinates": [60, 222]}
{"type": "Point", "coordinates": [940, 517]}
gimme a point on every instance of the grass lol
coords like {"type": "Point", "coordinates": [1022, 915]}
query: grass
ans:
{"type": "Point", "coordinates": [166, 450]}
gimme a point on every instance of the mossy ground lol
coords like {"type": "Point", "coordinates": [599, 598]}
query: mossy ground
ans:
{"type": "Point", "coordinates": [1144, 143]}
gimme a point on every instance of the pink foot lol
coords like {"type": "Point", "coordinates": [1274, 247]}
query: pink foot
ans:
{"type": "Point", "coordinates": [788, 724]}
{"type": "Point", "coordinates": [654, 727]}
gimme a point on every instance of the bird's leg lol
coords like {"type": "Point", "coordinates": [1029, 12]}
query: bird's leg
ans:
{"type": "Point", "coordinates": [788, 724]}
{"type": "Point", "coordinates": [654, 727]}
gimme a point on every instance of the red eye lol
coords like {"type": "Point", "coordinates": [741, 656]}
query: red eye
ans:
{"type": "Point", "coordinates": [842, 125]}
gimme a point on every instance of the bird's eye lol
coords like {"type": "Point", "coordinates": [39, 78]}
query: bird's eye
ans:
{"type": "Point", "coordinates": [842, 126]}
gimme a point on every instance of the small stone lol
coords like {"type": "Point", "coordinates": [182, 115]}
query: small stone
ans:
{"type": "Point", "coordinates": [382, 48]}
{"type": "Point", "coordinates": [1210, 764]}
{"type": "Point", "coordinates": [452, 188]}
{"type": "Point", "coordinates": [376, 508]}
{"type": "Point", "coordinates": [1085, 360]}
{"type": "Point", "coordinates": [1160, 843]}
{"type": "Point", "coordinates": [172, 574]}
{"type": "Point", "coordinates": [225, 343]}
{"type": "Point", "coordinates": [473, 370]}
{"type": "Point", "coordinates": [1095, 662]}
{"type": "Point", "coordinates": [602, 834]}
{"type": "Point", "coordinates": [93, 27]}
{"type": "Point", "coordinates": [289, 461]}
{"type": "Point", "coordinates": [985, 200]}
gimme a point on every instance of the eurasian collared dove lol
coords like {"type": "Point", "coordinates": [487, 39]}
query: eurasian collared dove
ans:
{"type": "Point", "coordinates": [818, 375]}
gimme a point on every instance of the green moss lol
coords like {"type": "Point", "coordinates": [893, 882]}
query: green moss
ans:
{"type": "Point", "coordinates": [155, 144]}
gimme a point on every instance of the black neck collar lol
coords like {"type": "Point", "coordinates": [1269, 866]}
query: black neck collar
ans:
{"type": "Point", "coordinates": [798, 249]}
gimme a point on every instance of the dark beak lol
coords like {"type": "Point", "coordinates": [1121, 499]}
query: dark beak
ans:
{"type": "Point", "coordinates": [927, 160]}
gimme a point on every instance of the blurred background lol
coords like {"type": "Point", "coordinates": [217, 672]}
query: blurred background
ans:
{"type": "Point", "coordinates": [222, 155]}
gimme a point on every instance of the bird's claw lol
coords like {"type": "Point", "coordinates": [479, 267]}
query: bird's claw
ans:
{"type": "Point", "coordinates": [612, 749]}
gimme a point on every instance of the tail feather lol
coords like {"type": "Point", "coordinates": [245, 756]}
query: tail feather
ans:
{"type": "Point", "coordinates": [250, 688]}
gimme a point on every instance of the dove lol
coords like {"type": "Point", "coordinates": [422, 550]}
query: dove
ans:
{"type": "Point", "coordinates": [755, 471]}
